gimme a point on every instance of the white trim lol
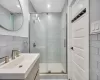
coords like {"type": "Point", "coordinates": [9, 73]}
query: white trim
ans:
{"type": "Point", "coordinates": [69, 33]}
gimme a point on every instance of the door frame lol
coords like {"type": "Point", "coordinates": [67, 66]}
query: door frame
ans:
{"type": "Point", "coordinates": [69, 34]}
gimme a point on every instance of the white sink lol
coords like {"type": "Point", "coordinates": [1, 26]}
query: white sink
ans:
{"type": "Point", "coordinates": [19, 67]}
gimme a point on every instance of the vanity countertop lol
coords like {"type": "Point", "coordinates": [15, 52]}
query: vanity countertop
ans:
{"type": "Point", "coordinates": [20, 67]}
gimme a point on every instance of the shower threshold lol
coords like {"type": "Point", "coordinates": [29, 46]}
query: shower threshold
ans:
{"type": "Point", "coordinates": [52, 68]}
{"type": "Point", "coordinates": [54, 76]}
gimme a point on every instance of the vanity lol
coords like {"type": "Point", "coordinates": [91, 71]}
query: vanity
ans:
{"type": "Point", "coordinates": [24, 67]}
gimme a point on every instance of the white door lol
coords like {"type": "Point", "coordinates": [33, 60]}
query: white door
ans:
{"type": "Point", "coordinates": [80, 47]}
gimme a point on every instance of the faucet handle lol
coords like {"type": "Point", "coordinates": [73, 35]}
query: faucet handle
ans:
{"type": "Point", "coordinates": [13, 54]}
{"type": "Point", "coordinates": [6, 59]}
{"type": "Point", "coordinates": [17, 53]}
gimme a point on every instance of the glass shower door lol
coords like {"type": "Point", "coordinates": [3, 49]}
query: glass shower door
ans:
{"type": "Point", "coordinates": [55, 44]}
{"type": "Point", "coordinates": [38, 42]}
{"type": "Point", "coordinates": [47, 38]}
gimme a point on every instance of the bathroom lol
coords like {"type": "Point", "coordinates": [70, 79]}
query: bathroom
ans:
{"type": "Point", "coordinates": [49, 40]}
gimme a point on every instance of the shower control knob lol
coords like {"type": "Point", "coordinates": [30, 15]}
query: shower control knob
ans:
{"type": "Point", "coordinates": [34, 45]}
{"type": "Point", "coordinates": [72, 48]}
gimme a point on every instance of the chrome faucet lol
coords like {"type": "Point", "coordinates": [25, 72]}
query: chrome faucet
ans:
{"type": "Point", "coordinates": [15, 53]}
{"type": "Point", "coordinates": [6, 59]}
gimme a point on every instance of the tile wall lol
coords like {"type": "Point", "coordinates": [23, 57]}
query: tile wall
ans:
{"type": "Point", "coordinates": [94, 42]}
{"type": "Point", "coordinates": [8, 43]}
{"type": "Point", "coordinates": [95, 57]}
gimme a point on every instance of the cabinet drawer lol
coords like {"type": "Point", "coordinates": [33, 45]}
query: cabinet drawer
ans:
{"type": "Point", "coordinates": [33, 72]}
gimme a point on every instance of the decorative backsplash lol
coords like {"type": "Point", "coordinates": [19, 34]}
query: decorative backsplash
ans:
{"type": "Point", "coordinates": [8, 43]}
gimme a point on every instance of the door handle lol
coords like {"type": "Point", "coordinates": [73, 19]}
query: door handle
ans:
{"type": "Point", "coordinates": [72, 48]}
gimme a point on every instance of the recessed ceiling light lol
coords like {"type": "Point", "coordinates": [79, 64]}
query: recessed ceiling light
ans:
{"type": "Point", "coordinates": [36, 15]}
{"type": "Point", "coordinates": [18, 6]}
{"type": "Point", "coordinates": [49, 5]}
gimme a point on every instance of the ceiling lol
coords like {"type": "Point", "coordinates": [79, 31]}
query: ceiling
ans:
{"type": "Point", "coordinates": [11, 5]}
{"type": "Point", "coordinates": [38, 5]}
{"type": "Point", "coordinates": [48, 5]}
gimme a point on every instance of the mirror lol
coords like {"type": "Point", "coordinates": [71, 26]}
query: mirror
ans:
{"type": "Point", "coordinates": [11, 15]}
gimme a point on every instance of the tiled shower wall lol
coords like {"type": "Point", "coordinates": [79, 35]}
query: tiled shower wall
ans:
{"type": "Point", "coordinates": [46, 33]}
{"type": "Point", "coordinates": [8, 43]}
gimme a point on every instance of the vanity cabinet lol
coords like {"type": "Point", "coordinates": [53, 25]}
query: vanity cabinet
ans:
{"type": "Point", "coordinates": [34, 73]}
{"type": "Point", "coordinates": [29, 70]}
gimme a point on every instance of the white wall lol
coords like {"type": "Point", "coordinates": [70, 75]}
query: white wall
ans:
{"type": "Point", "coordinates": [31, 8]}
{"type": "Point", "coordinates": [23, 32]}
{"type": "Point", "coordinates": [69, 2]}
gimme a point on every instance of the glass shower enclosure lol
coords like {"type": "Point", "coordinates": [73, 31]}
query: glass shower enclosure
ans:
{"type": "Point", "coordinates": [47, 38]}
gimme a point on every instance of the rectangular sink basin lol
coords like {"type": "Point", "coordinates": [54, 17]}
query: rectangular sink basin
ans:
{"type": "Point", "coordinates": [13, 63]}
{"type": "Point", "coordinates": [19, 67]}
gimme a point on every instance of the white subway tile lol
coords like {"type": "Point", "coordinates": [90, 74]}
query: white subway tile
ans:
{"type": "Point", "coordinates": [98, 36]}
{"type": "Point", "coordinates": [94, 51]}
{"type": "Point", "coordinates": [95, 44]}
{"type": "Point", "coordinates": [93, 37]}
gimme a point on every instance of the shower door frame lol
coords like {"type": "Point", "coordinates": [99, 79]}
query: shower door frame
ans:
{"type": "Point", "coordinates": [64, 44]}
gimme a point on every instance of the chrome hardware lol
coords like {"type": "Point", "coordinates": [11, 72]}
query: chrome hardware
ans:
{"type": "Point", "coordinates": [15, 53]}
{"type": "Point", "coordinates": [34, 44]}
{"type": "Point", "coordinates": [6, 59]}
